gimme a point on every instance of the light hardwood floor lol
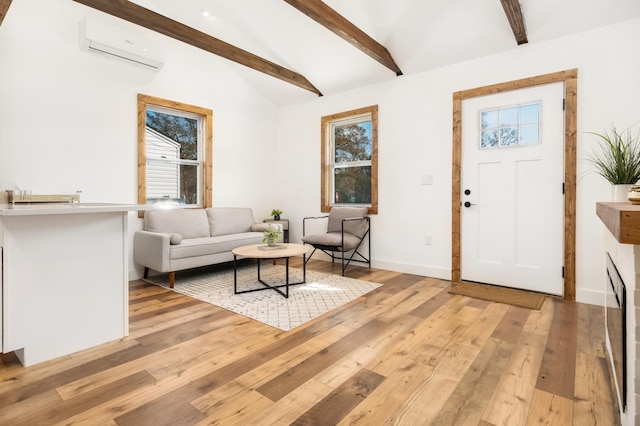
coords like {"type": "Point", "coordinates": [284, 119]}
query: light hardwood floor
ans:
{"type": "Point", "coordinates": [407, 353]}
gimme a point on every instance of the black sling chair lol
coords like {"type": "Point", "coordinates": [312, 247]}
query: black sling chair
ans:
{"type": "Point", "coordinates": [347, 228]}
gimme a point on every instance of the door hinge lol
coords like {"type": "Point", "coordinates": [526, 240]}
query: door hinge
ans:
{"type": "Point", "coordinates": [563, 187]}
{"type": "Point", "coordinates": [563, 272]}
{"type": "Point", "coordinates": [564, 104]}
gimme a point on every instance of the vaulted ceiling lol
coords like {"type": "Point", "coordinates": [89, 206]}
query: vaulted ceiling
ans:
{"type": "Point", "coordinates": [295, 50]}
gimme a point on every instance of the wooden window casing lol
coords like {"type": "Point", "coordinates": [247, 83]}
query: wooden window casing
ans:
{"type": "Point", "coordinates": [326, 195]}
{"type": "Point", "coordinates": [207, 168]}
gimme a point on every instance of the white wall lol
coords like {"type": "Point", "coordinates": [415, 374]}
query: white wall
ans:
{"type": "Point", "coordinates": [68, 118]}
{"type": "Point", "coordinates": [68, 122]}
{"type": "Point", "coordinates": [415, 133]}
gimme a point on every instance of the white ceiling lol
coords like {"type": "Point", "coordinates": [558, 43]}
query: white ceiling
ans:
{"type": "Point", "coordinates": [420, 34]}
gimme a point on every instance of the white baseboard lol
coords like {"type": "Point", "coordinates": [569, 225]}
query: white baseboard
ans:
{"type": "Point", "coordinates": [136, 274]}
{"type": "Point", "coordinates": [590, 297]}
{"type": "Point", "coordinates": [407, 268]}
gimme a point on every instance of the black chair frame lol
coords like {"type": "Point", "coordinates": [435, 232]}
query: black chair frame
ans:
{"type": "Point", "coordinates": [330, 250]}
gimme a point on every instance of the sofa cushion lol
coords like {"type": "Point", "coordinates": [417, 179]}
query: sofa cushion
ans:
{"type": "Point", "coordinates": [355, 227]}
{"type": "Point", "coordinates": [175, 239]}
{"type": "Point", "coordinates": [211, 245]}
{"type": "Point", "coordinates": [229, 220]}
{"type": "Point", "coordinates": [189, 223]}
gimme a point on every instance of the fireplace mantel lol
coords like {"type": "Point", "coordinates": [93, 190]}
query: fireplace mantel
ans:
{"type": "Point", "coordinates": [622, 219]}
{"type": "Point", "coordinates": [622, 243]}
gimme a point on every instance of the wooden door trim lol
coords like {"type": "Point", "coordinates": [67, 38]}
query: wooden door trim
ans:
{"type": "Point", "coordinates": [570, 80]}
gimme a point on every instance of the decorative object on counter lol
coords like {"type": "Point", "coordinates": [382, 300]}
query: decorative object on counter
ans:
{"type": "Point", "coordinates": [25, 196]}
{"type": "Point", "coordinates": [276, 214]}
{"type": "Point", "coordinates": [634, 194]}
{"type": "Point", "coordinates": [618, 161]}
{"type": "Point", "coordinates": [271, 236]}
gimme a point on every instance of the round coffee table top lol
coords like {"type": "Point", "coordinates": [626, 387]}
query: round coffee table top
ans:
{"type": "Point", "coordinates": [262, 251]}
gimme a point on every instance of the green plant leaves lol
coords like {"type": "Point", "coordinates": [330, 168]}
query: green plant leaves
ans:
{"type": "Point", "coordinates": [619, 159]}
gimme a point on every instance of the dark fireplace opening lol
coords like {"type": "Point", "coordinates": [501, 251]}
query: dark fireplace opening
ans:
{"type": "Point", "coordinates": [616, 323]}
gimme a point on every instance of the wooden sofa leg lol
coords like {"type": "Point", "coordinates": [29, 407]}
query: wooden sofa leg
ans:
{"type": "Point", "coordinates": [172, 279]}
{"type": "Point", "coordinates": [146, 272]}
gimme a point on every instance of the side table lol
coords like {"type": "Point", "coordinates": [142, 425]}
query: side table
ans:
{"type": "Point", "coordinates": [285, 227]}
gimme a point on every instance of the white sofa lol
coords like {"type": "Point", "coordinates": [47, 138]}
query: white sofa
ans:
{"type": "Point", "coordinates": [177, 239]}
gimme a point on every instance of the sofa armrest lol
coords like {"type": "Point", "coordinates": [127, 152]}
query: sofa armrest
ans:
{"type": "Point", "coordinates": [151, 249]}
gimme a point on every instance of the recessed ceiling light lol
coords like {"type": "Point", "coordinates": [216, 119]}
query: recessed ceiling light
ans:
{"type": "Point", "coordinates": [208, 15]}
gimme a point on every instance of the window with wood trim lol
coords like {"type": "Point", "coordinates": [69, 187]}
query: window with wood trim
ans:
{"type": "Point", "coordinates": [350, 159]}
{"type": "Point", "coordinates": [174, 153]}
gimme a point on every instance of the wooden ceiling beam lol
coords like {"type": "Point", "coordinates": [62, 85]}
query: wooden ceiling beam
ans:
{"type": "Point", "coordinates": [332, 20]}
{"type": "Point", "coordinates": [139, 15]}
{"type": "Point", "coordinates": [516, 20]}
{"type": "Point", "coordinates": [4, 7]}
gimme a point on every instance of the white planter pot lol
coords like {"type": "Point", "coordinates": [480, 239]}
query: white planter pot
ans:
{"type": "Point", "coordinates": [620, 192]}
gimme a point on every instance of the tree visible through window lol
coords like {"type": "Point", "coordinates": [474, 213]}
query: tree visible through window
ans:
{"type": "Point", "coordinates": [349, 159]}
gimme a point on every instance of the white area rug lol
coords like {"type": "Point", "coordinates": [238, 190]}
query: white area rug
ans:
{"type": "Point", "coordinates": [321, 293]}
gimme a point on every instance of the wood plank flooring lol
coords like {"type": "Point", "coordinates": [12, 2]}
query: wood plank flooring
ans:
{"type": "Point", "coordinates": [408, 353]}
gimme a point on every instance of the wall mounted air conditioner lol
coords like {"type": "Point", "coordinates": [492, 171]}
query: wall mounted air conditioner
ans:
{"type": "Point", "coordinates": [112, 41]}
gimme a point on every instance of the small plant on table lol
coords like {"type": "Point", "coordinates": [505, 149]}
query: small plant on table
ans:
{"type": "Point", "coordinates": [276, 214]}
{"type": "Point", "coordinates": [271, 236]}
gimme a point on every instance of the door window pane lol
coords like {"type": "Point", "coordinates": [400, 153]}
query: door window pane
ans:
{"type": "Point", "coordinates": [529, 114]}
{"type": "Point", "coordinates": [489, 138]}
{"type": "Point", "coordinates": [510, 126]}
{"type": "Point", "coordinates": [509, 117]}
{"type": "Point", "coordinates": [508, 136]}
{"type": "Point", "coordinates": [529, 134]}
{"type": "Point", "coordinates": [490, 119]}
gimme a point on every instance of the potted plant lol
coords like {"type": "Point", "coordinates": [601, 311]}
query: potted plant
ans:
{"type": "Point", "coordinates": [271, 236]}
{"type": "Point", "coordinates": [276, 214]}
{"type": "Point", "coordinates": [618, 161]}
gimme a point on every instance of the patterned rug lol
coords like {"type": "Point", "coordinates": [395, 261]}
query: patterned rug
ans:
{"type": "Point", "coordinates": [320, 294]}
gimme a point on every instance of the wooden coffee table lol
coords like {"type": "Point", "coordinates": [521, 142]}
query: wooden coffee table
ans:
{"type": "Point", "coordinates": [259, 252]}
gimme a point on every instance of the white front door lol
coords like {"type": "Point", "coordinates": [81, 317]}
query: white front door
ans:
{"type": "Point", "coordinates": [512, 189]}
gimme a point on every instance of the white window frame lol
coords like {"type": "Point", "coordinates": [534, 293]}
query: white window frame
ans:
{"type": "Point", "coordinates": [198, 163]}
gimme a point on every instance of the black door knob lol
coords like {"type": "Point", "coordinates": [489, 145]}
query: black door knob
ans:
{"type": "Point", "coordinates": [467, 192]}
{"type": "Point", "coordinates": [467, 204]}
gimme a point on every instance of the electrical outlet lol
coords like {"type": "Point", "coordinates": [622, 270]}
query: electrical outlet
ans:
{"type": "Point", "coordinates": [427, 240]}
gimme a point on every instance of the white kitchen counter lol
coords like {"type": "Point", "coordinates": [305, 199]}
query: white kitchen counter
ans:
{"type": "Point", "coordinates": [65, 208]}
{"type": "Point", "coordinates": [64, 277]}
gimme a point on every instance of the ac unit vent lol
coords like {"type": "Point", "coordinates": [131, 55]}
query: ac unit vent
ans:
{"type": "Point", "coordinates": [112, 41]}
